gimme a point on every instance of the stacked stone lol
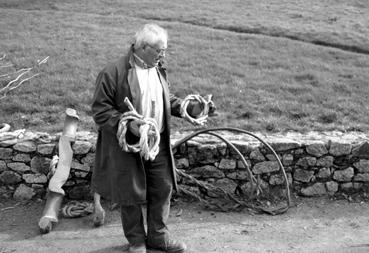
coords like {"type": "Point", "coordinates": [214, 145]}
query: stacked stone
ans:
{"type": "Point", "coordinates": [24, 168]}
{"type": "Point", "coordinates": [313, 168]}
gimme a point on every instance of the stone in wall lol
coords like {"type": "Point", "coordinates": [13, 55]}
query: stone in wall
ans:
{"type": "Point", "coordinates": [242, 166]}
{"type": "Point", "coordinates": [351, 186]}
{"type": "Point", "coordinates": [238, 175]}
{"type": "Point", "coordinates": [24, 192]}
{"type": "Point", "coordinates": [81, 147]}
{"type": "Point", "coordinates": [40, 164]}
{"type": "Point", "coordinates": [343, 175]}
{"type": "Point", "coordinates": [226, 184]}
{"type": "Point", "coordinates": [265, 167]}
{"type": "Point", "coordinates": [339, 149]}
{"type": "Point", "coordinates": [303, 175]}
{"type": "Point", "coordinates": [22, 158]}
{"type": "Point", "coordinates": [10, 177]}
{"type": "Point", "coordinates": [26, 146]}
{"type": "Point", "coordinates": [242, 146]}
{"type": "Point", "coordinates": [3, 166]}
{"type": "Point", "coordinates": [70, 182]}
{"type": "Point", "coordinates": [79, 166]}
{"type": "Point", "coordinates": [6, 153]}
{"type": "Point", "coordinates": [284, 145]}
{"type": "Point", "coordinates": [357, 185]}
{"type": "Point", "coordinates": [347, 187]}
{"type": "Point", "coordinates": [326, 161]}
{"type": "Point", "coordinates": [222, 149]}
{"type": "Point", "coordinates": [298, 152]}
{"type": "Point", "coordinates": [361, 151]}
{"type": "Point", "coordinates": [19, 167]}
{"type": "Point", "coordinates": [80, 174]}
{"type": "Point", "coordinates": [89, 159]}
{"type": "Point", "coordinates": [278, 179]}
{"type": "Point", "coordinates": [317, 189]}
{"type": "Point", "coordinates": [316, 149]}
{"type": "Point", "coordinates": [324, 173]}
{"type": "Point", "coordinates": [306, 162]}
{"type": "Point", "coordinates": [330, 164]}
{"type": "Point", "coordinates": [256, 155]}
{"type": "Point", "coordinates": [332, 187]}
{"type": "Point", "coordinates": [362, 166]}
{"type": "Point", "coordinates": [287, 159]}
{"type": "Point", "coordinates": [46, 149]}
{"type": "Point", "coordinates": [227, 164]}
{"type": "Point", "coordinates": [272, 157]}
{"type": "Point", "coordinates": [207, 171]}
{"type": "Point", "coordinates": [34, 178]}
{"type": "Point", "coordinates": [362, 177]}
{"type": "Point", "coordinates": [203, 154]}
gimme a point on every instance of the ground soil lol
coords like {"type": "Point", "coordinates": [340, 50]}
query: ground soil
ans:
{"type": "Point", "coordinates": [311, 225]}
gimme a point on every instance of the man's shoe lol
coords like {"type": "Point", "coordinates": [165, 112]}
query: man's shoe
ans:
{"type": "Point", "coordinates": [137, 249]}
{"type": "Point", "coordinates": [171, 246]}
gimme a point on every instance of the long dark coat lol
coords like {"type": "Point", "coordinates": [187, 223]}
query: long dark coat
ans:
{"type": "Point", "coordinates": [119, 175]}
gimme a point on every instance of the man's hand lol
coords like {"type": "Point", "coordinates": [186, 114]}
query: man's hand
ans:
{"type": "Point", "coordinates": [212, 109]}
{"type": "Point", "coordinates": [134, 126]}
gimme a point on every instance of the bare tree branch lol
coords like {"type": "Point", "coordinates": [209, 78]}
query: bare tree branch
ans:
{"type": "Point", "coordinates": [7, 66]}
{"type": "Point", "coordinates": [18, 81]}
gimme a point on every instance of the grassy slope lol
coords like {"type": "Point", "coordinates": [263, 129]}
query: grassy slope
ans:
{"type": "Point", "coordinates": [258, 59]}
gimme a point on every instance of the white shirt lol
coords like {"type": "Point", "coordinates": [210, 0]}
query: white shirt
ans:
{"type": "Point", "coordinates": [152, 103]}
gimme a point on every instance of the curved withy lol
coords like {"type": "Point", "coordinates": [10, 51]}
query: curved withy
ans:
{"type": "Point", "coordinates": [251, 177]}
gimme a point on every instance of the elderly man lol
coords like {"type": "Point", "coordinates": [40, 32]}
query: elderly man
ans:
{"type": "Point", "coordinates": [125, 177]}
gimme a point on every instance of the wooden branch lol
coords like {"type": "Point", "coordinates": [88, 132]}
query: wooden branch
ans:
{"type": "Point", "coordinates": [7, 66]}
{"type": "Point", "coordinates": [11, 85]}
{"type": "Point", "coordinates": [14, 80]}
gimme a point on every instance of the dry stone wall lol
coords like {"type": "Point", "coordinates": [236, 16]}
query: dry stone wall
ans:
{"type": "Point", "coordinates": [315, 163]}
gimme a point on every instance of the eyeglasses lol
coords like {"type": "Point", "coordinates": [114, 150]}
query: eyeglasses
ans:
{"type": "Point", "coordinates": [158, 50]}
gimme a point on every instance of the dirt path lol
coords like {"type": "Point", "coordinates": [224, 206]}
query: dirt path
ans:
{"type": "Point", "coordinates": [314, 225]}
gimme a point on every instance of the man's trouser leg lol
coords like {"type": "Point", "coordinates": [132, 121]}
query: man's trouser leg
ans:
{"type": "Point", "coordinates": [159, 190]}
{"type": "Point", "coordinates": [133, 224]}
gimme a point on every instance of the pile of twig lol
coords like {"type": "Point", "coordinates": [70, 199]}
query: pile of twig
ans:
{"type": "Point", "coordinates": [12, 78]}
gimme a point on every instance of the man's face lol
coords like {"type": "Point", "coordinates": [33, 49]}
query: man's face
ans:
{"type": "Point", "coordinates": [152, 54]}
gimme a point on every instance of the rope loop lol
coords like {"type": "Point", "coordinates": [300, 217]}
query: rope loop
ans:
{"type": "Point", "coordinates": [201, 119]}
{"type": "Point", "coordinates": [75, 209]}
{"type": "Point", "coordinates": [148, 145]}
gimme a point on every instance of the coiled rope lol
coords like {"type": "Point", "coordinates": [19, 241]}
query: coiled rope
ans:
{"type": "Point", "coordinates": [205, 104]}
{"type": "Point", "coordinates": [148, 145]}
{"type": "Point", "coordinates": [74, 209]}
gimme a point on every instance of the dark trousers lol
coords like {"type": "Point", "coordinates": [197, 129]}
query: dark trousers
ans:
{"type": "Point", "coordinates": [159, 190]}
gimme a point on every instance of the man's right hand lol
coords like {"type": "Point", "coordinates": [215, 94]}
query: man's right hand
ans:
{"type": "Point", "coordinates": [134, 126]}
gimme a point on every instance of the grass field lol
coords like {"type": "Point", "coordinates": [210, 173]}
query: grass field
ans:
{"type": "Point", "coordinates": [271, 65]}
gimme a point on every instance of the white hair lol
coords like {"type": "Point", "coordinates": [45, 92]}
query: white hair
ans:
{"type": "Point", "coordinates": [150, 34]}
